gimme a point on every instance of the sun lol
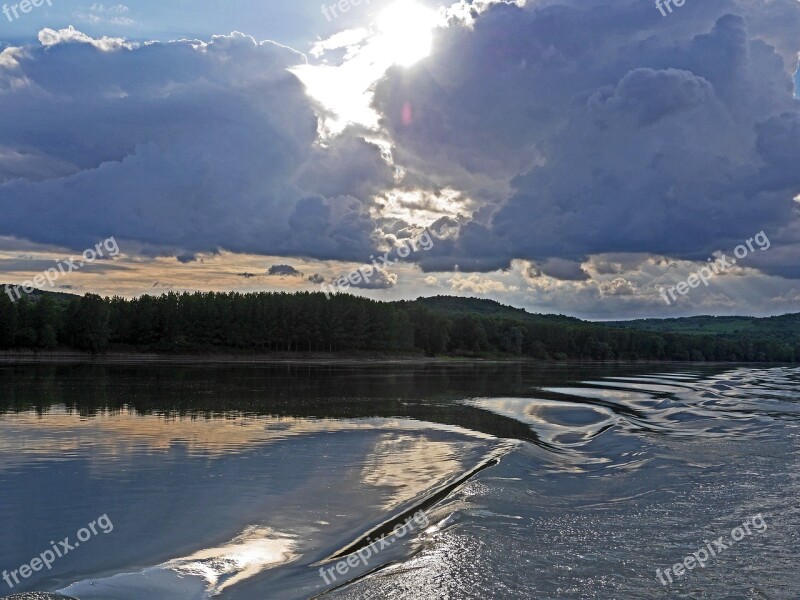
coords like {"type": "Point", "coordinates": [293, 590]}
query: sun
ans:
{"type": "Point", "coordinates": [400, 35]}
{"type": "Point", "coordinates": [406, 32]}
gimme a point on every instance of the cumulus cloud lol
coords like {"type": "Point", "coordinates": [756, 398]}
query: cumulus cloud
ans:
{"type": "Point", "coordinates": [377, 279]}
{"type": "Point", "coordinates": [476, 284]}
{"type": "Point", "coordinates": [70, 35]}
{"type": "Point", "coordinates": [284, 271]}
{"type": "Point", "coordinates": [182, 147]}
{"type": "Point", "coordinates": [559, 268]}
{"type": "Point", "coordinates": [648, 96]}
{"type": "Point", "coordinates": [614, 129]}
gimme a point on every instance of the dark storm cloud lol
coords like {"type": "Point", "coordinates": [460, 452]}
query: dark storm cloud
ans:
{"type": "Point", "coordinates": [181, 147]}
{"type": "Point", "coordinates": [559, 268]}
{"type": "Point", "coordinates": [284, 271]}
{"type": "Point", "coordinates": [376, 280]}
{"type": "Point", "coordinates": [20, 265]}
{"type": "Point", "coordinates": [618, 130]}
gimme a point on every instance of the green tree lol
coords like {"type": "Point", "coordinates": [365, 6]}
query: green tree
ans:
{"type": "Point", "coordinates": [87, 325]}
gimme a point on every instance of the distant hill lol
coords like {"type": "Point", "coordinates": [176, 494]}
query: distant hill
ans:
{"type": "Point", "coordinates": [481, 307]}
{"type": "Point", "coordinates": [35, 294]}
{"type": "Point", "coordinates": [785, 328]}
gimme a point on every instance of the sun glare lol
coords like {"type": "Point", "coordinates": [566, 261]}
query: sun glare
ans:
{"type": "Point", "coordinates": [406, 32]}
{"type": "Point", "coordinates": [401, 35]}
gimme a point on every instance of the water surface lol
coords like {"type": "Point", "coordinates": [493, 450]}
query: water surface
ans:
{"type": "Point", "coordinates": [536, 481]}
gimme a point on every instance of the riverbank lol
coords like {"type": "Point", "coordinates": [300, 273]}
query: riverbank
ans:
{"type": "Point", "coordinates": [311, 358]}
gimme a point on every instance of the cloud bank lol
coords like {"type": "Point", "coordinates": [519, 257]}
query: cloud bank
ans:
{"type": "Point", "coordinates": [576, 131]}
{"type": "Point", "coordinates": [179, 147]}
{"type": "Point", "coordinates": [616, 130]}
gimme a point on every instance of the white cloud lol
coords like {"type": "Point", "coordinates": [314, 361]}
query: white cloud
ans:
{"type": "Point", "coordinates": [477, 284]}
{"type": "Point", "coordinates": [70, 35]}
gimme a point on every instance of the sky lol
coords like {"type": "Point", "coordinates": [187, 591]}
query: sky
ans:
{"type": "Point", "coordinates": [607, 160]}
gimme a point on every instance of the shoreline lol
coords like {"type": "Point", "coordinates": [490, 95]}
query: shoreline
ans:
{"type": "Point", "coordinates": [66, 357]}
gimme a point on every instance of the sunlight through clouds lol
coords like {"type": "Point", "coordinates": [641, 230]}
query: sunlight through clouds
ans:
{"type": "Point", "coordinates": [402, 35]}
{"type": "Point", "coordinates": [406, 33]}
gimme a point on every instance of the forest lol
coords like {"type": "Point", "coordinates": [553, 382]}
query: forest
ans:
{"type": "Point", "coordinates": [303, 323]}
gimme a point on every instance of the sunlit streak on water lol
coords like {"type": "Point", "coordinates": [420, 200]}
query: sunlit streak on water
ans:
{"type": "Point", "coordinates": [252, 552]}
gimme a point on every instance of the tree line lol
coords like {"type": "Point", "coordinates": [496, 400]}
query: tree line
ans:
{"type": "Point", "coordinates": [313, 323]}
